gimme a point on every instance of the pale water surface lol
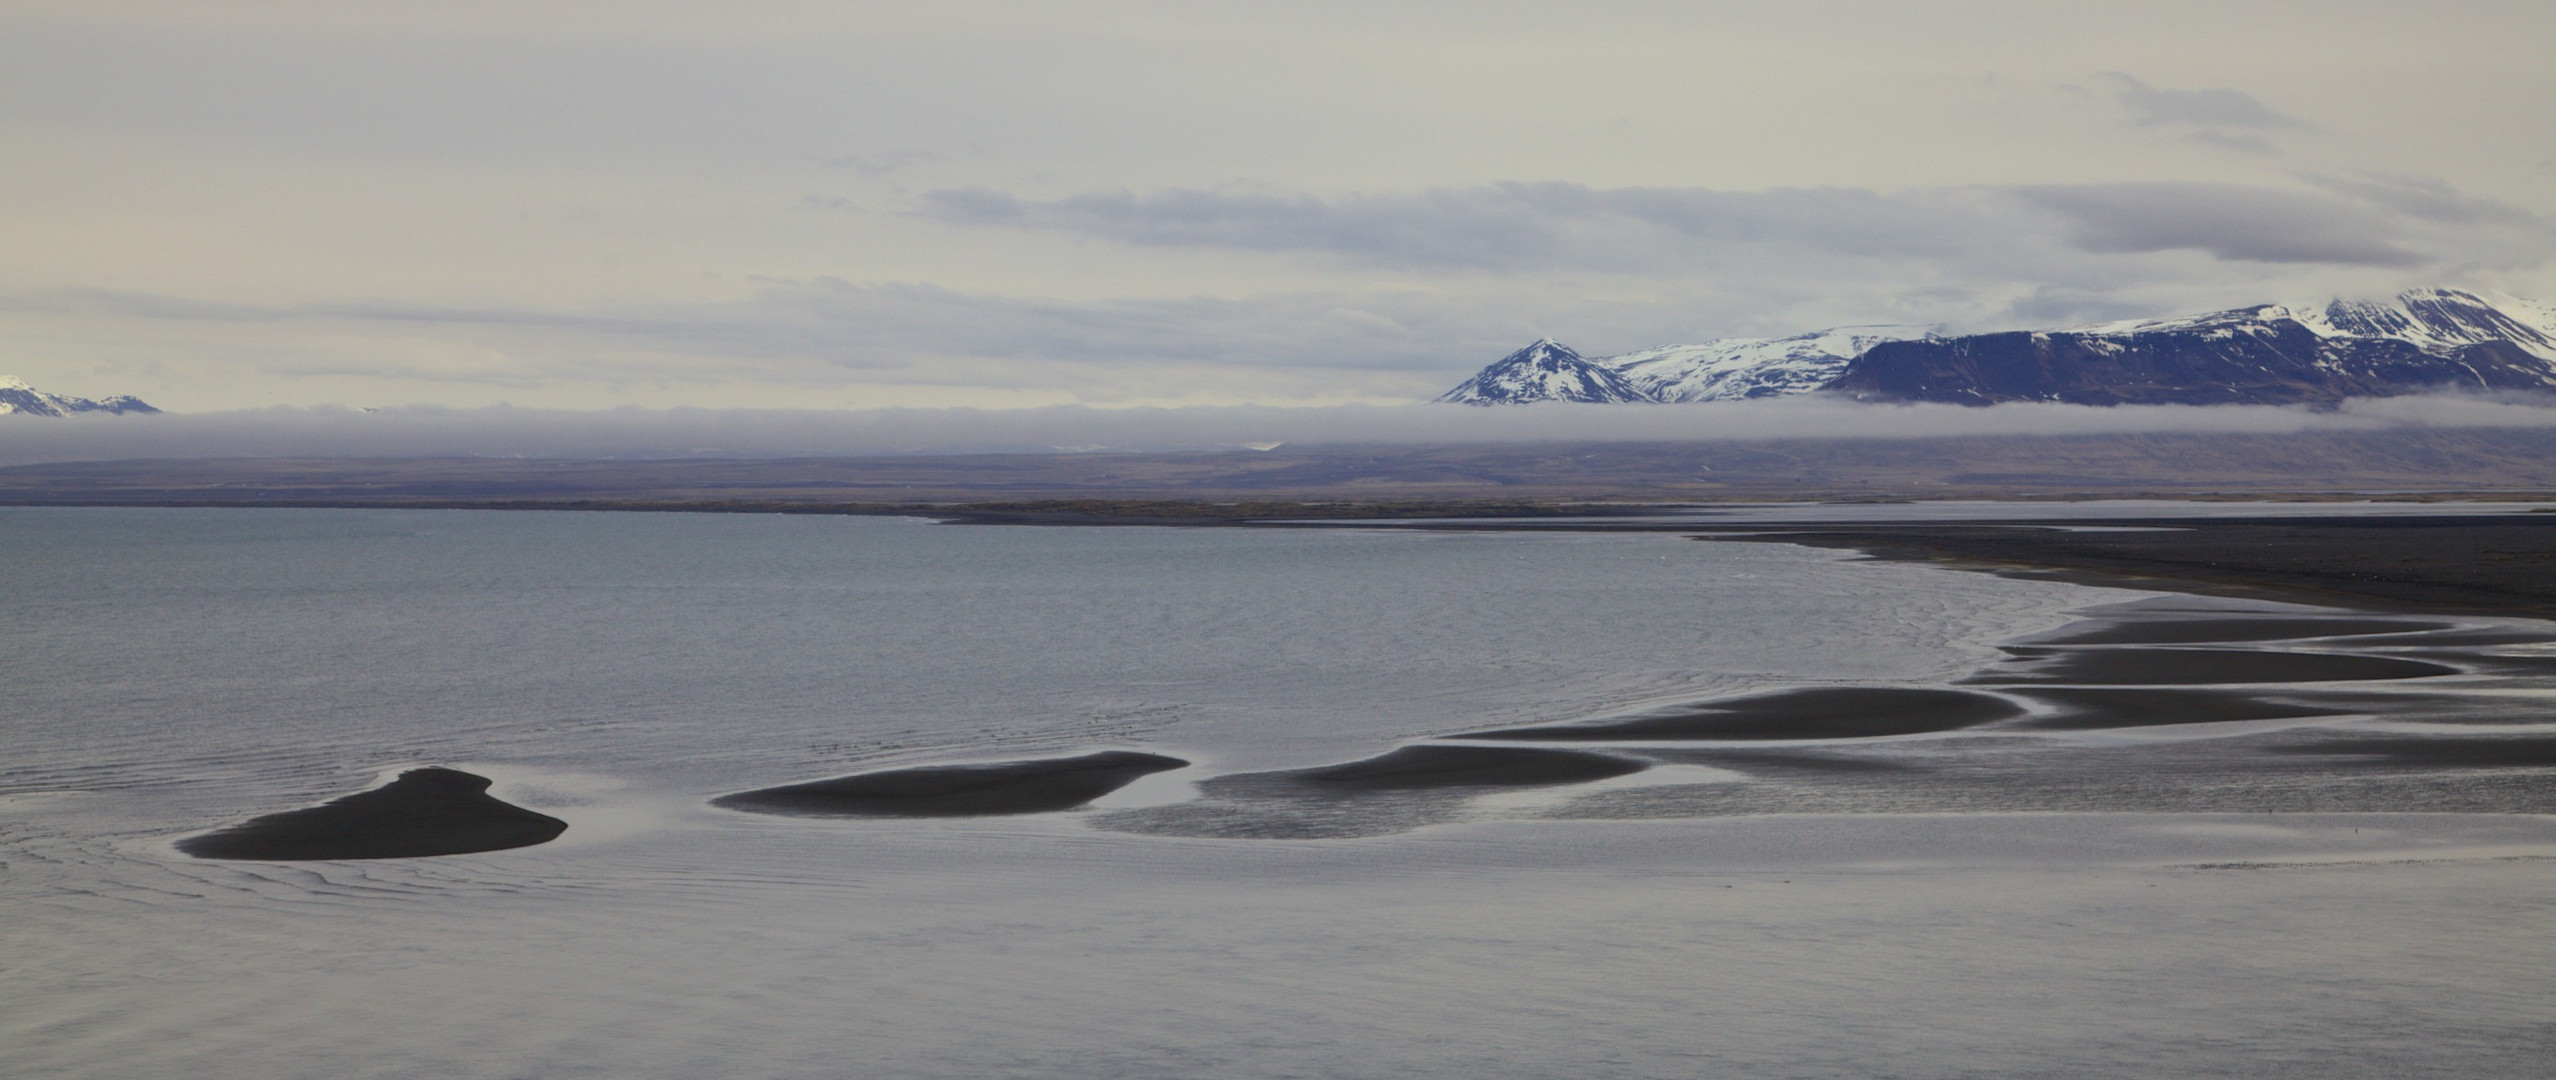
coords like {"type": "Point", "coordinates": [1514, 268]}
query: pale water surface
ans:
{"type": "Point", "coordinates": [163, 672]}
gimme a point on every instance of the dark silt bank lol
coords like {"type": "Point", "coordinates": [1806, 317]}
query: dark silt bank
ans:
{"type": "Point", "coordinates": [2455, 752]}
{"type": "Point", "coordinates": [1416, 768]}
{"type": "Point", "coordinates": [432, 811]}
{"type": "Point", "coordinates": [2202, 667]}
{"type": "Point", "coordinates": [2201, 631]}
{"type": "Point", "coordinates": [1011, 787]}
{"type": "Point", "coordinates": [2097, 708]}
{"type": "Point", "coordinates": [1396, 791]}
{"type": "Point", "coordinates": [1841, 712]}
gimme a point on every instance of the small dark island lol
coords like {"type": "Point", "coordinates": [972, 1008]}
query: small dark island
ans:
{"type": "Point", "coordinates": [431, 811]}
{"type": "Point", "coordinates": [1011, 787]}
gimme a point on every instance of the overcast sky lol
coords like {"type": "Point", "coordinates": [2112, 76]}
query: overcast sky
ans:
{"type": "Point", "coordinates": [866, 204]}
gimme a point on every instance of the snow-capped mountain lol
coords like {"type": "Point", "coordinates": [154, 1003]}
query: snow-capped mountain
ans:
{"type": "Point", "coordinates": [18, 398]}
{"type": "Point", "coordinates": [2424, 339]}
{"type": "Point", "coordinates": [1736, 368]}
{"type": "Point", "coordinates": [1545, 371]}
{"type": "Point", "coordinates": [2441, 321]}
{"type": "Point", "coordinates": [1718, 370]}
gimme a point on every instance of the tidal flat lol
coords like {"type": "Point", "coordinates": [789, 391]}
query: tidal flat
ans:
{"type": "Point", "coordinates": [1250, 802]}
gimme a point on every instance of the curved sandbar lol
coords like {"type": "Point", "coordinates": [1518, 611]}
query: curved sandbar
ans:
{"type": "Point", "coordinates": [2204, 667]}
{"type": "Point", "coordinates": [432, 811]}
{"type": "Point", "coordinates": [2447, 752]}
{"type": "Point", "coordinates": [1011, 787]}
{"type": "Point", "coordinates": [2098, 708]}
{"type": "Point", "coordinates": [1838, 712]}
{"type": "Point", "coordinates": [1417, 768]}
{"type": "Point", "coordinates": [2226, 629]}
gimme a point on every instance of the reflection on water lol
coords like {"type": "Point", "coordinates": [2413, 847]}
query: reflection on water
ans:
{"type": "Point", "coordinates": [2073, 861]}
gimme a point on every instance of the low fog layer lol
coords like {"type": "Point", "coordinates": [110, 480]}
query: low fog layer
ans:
{"type": "Point", "coordinates": [732, 433]}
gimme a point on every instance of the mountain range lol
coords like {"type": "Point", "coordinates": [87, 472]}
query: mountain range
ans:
{"type": "Point", "coordinates": [18, 398]}
{"type": "Point", "coordinates": [2423, 340]}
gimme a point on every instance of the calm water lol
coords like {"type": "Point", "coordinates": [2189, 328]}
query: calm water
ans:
{"type": "Point", "coordinates": [2041, 903]}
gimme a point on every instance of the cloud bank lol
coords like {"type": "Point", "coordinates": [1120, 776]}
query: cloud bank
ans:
{"type": "Point", "coordinates": [1983, 231]}
{"type": "Point", "coordinates": [2215, 107]}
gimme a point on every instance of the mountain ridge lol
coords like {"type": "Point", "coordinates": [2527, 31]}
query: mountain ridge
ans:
{"type": "Point", "coordinates": [2423, 339]}
{"type": "Point", "coordinates": [19, 399]}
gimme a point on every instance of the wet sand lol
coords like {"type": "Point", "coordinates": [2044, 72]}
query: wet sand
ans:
{"type": "Point", "coordinates": [2501, 564]}
{"type": "Point", "coordinates": [1420, 768]}
{"type": "Point", "coordinates": [1806, 762]}
{"type": "Point", "coordinates": [1859, 712]}
{"type": "Point", "coordinates": [2461, 752]}
{"type": "Point", "coordinates": [1012, 787]}
{"type": "Point", "coordinates": [2200, 667]}
{"type": "Point", "coordinates": [2227, 629]}
{"type": "Point", "coordinates": [1398, 791]}
{"type": "Point", "coordinates": [2460, 638]}
{"type": "Point", "coordinates": [2490, 663]}
{"type": "Point", "coordinates": [433, 811]}
{"type": "Point", "coordinates": [2091, 708]}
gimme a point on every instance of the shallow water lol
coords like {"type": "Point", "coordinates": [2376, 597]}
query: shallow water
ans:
{"type": "Point", "coordinates": [2026, 897]}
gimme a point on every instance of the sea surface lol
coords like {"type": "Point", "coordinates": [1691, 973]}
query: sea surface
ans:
{"type": "Point", "coordinates": [2350, 871]}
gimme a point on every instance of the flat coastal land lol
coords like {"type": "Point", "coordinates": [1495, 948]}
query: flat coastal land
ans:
{"type": "Point", "coordinates": [2486, 564]}
{"type": "Point", "coordinates": [2403, 463]}
{"type": "Point", "coordinates": [2463, 561]}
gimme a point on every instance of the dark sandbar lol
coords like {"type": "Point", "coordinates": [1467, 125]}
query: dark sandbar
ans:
{"type": "Point", "coordinates": [432, 811]}
{"type": "Point", "coordinates": [2098, 708]}
{"type": "Point", "coordinates": [2490, 663]}
{"type": "Point", "coordinates": [2201, 631]}
{"type": "Point", "coordinates": [2427, 565]}
{"type": "Point", "coordinates": [1809, 762]}
{"type": "Point", "coordinates": [2448, 638]}
{"type": "Point", "coordinates": [1405, 789]}
{"type": "Point", "coordinates": [1414, 768]}
{"type": "Point", "coordinates": [2474, 752]}
{"type": "Point", "coordinates": [1012, 787]}
{"type": "Point", "coordinates": [2203, 667]}
{"type": "Point", "coordinates": [1816, 713]}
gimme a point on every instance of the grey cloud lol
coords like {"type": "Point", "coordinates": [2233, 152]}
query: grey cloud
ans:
{"type": "Point", "coordinates": [881, 164]}
{"type": "Point", "coordinates": [1505, 225]}
{"type": "Point", "coordinates": [2058, 305]}
{"type": "Point", "coordinates": [153, 306]}
{"type": "Point", "coordinates": [2228, 221]}
{"type": "Point", "coordinates": [2021, 233]}
{"type": "Point", "coordinates": [2216, 106]}
{"type": "Point", "coordinates": [2430, 200]}
{"type": "Point", "coordinates": [2242, 143]}
{"type": "Point", "coordinates": [1501, 225]}
{"type": "Point", "coordinates": [847, 319]}
{"type": "Point", "coordinates": [823, 330]}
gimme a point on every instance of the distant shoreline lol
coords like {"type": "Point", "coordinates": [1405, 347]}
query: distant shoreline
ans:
{"type": "Point", "coordinates": [2502, 564]}
{"type": "Point", "coordinates": [2495, 563]}
{"type": "Point", "coordinates": [2406, 558]}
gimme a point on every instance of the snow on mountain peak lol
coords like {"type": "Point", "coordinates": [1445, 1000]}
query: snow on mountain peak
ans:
{"type": "Point", "coordinates": [1731, 369]}
{"type": "Point", "coordinates": [2420, 339]}
{"type": "Point", "coordinates": [1545, 371]}
{"type": "Point", "coordinates": [1719, 370]}
{"type": "Point", "coordinates": [2440, 321]}
{"type": "Point", "coordinates": [19, 399]}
